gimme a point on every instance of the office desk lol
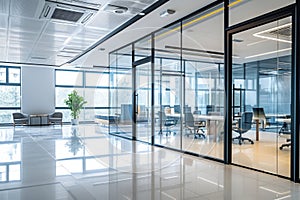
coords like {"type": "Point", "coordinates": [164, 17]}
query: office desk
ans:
{"type": "Point", "coordinates": [282, 118]}
{"type": "Point", "coordinates": [211, 130]}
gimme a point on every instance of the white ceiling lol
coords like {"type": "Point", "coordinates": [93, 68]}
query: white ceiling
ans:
{"type": "Point", "coordinates": [207, 34]}
{"type": "Point", "coordinates": [28, 38]}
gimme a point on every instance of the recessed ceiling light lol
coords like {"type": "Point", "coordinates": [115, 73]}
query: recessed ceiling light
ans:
{"type": "Point", "coordinates": [167, 12]}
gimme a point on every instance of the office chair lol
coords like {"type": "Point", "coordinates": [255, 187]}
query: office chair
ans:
{"type": "Point", "coordinates": [193, 126]}
{"type": "Point", "coordinates": [244, 125]}
{"type": "Point", "coordinates": [167, 123]}
{"type": "Point", "coordinates": [55, 117]}
{"type": "Point", "coordinates": [284, 131]}
{"type": "Point", "coordinates": [20, 118]}
{"type": "Point", "coordinates": [259, 114]}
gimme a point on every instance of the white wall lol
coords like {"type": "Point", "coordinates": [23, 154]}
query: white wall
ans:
{"type": "Point", "coordinates": [38, 90]}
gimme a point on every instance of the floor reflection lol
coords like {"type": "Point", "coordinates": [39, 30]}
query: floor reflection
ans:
{"type": "Point", "coordinates": [84, 162]}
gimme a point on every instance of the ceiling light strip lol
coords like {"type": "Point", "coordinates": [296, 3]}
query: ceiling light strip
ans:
{"type": "Point", "coordinates": [268, 53]}
{"type": "Point", "coordinates": [199, 19]}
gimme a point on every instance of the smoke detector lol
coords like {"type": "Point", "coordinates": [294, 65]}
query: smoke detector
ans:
{"type": "Point", "coordinates": [115, 9]}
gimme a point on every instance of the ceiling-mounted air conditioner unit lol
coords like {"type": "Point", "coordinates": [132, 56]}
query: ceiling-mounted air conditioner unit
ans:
{"type": "Point", "coordinates": [67, 12]}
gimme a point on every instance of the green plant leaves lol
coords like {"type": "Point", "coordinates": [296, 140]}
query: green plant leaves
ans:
{"type": "Point", "coordinates": [75, 102]}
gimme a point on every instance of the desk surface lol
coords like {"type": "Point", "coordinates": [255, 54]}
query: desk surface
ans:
{"type": "Point", "coordinates": [210, 117]}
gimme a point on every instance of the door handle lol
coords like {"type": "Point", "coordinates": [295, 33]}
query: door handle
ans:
{"type": "Point", "coordinates": [136, 103]}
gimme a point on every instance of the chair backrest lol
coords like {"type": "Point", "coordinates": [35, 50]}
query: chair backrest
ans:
{"type": "Point", "coordinates": [197, 112]}
{"type": "Point", "coordinates": [57, 115]}
{"type": "Point", "coordinates": [210, 108]}
{"type": "Point", "coordinates": [177, 109]}
{"type": "Point", "coordinates": [258, 113]}
{"type": "Point", "coordinates": [18, 115]}
{"type": "Point", "coordinates": [189, 119]}
{"type": "Point", "coordinates": [246, 121]}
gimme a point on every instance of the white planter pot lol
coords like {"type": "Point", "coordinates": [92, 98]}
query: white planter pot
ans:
{"type": "Point", "coordinates": [74, 121]}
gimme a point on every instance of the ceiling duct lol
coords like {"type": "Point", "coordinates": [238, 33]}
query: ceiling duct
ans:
{"type": "Point", "coordinates": [67, 12]}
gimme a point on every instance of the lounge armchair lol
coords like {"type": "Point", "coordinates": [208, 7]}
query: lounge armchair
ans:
{"type": "Point", "coordinates": [55, 117]}
{"type": "Point", "coordinates": [20, 118]}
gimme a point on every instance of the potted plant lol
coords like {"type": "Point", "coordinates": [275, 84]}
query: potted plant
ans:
{"type": "Point", "coordinates": [75, 102]}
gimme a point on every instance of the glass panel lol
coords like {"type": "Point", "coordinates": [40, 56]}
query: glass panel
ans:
{"type": "Point", "coordinates": [2, 75]}
{"type": "Point", "coordinates": [70, 78]}
{"type": "Point", "coordinates": [203, 53]}
{"type": "Point", "coordinates": [14, 172]}
{"type": "Point", "coordinates": [143, 102]}
{"type": "Point", "coordinates": [14, 75]}
{"type": "Point", "coordinates": [6, 115]}
{"type": "Point", "coordinates": [3, 173]}
{"type": "Point", "coordinates": [120, 116]}
{"type": "Point", "coordinates": [62, 94]}
{"type": "Point", "coordinates": [142, 48]}
{"type": "Point", "coordinates": [9, 96]}
{"type": "Point", "coordinates": [244, 10]}
{"type": "Point", "coordinates": [262, 85]}
{"type": "Point", "coordinates": [97, 79]}
{"type": "Point", "coordinates": [168, 87]}
{"type": "Point", "coordinates": [96, 97]}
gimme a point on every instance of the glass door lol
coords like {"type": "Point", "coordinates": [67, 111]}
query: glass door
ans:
{"type": "Point", "coordinates": [142, 101]}
{"type": "Point", "coordinates": [261, 83]}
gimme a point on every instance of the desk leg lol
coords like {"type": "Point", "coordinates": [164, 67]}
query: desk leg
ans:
{"type": "Point", "coordinates": [257, 129]}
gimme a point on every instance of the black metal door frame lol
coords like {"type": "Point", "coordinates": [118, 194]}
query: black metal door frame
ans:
{"type": "Point", "coordinates": [289, 11]}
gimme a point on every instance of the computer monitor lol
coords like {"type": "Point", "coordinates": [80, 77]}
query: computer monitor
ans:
{"type": "Point", "coordinates": [176, 108]}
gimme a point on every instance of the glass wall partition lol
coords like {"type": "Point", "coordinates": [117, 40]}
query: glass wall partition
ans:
{"type": "Point", "coordinates": [168, 87]}
{"type": "Point", "coordinates": [121, 104]}
{"type": "Point", "coordinates": [240, 11]}
{"type": "Point", "coordinates": [142, 90]}
{"type": "Point", "coordinates": [202, 50]}
{"type": "Point", "coordinates": [262, 94]}
{"type": "Point", "coordinates": [189, 84]}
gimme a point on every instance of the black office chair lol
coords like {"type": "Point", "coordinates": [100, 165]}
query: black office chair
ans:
{"type": "Point", "coordinates": [193, 126]}
{"type": "Point", "coordinates": [244, 125]}
{"type": "Point", "coordinates": [167, 123]}
{"type": "Point", "coordinates": [284, 131]}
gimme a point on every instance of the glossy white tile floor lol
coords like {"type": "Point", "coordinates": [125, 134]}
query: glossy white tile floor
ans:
{"type": "Point", "coordinates": [41, 163]}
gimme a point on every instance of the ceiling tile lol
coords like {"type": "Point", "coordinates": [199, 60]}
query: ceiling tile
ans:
{"type": "Point", "coordinates": [108, 21]}
{"type": "Point", "coordinates": [26, 8]}
{"type": "Point", "coordinates": [20, 44]}
{"type": "Point", "coordinates": [92, 33]}
{"type": "Point", "coordinates": [50, 38]}
{"type": "Point", "coordinates": [52, 46]}
{"type": "Point", "coordinates": [3, 21]}
{"type": "Point", "coordinates": [26, 24]}
{"type": "Point", "coordinates": [4, 6]}
{"type": "Point", "coordinates": [23, 36]}
{"type": "Point", "coordinates": [57, 29]}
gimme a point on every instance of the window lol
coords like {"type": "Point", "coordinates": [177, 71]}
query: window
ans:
{"type": "Point", "coordinates": [10, 90]}
{"type": "Point", "coordinates": [92, 85]}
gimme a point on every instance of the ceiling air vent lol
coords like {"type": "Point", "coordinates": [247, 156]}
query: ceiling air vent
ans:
{"type": "Point", "coordinates": [66, 12]}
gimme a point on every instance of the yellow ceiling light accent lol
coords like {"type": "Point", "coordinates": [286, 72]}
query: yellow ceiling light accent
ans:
{"type": "Point", "coordinates": [199, 19]}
